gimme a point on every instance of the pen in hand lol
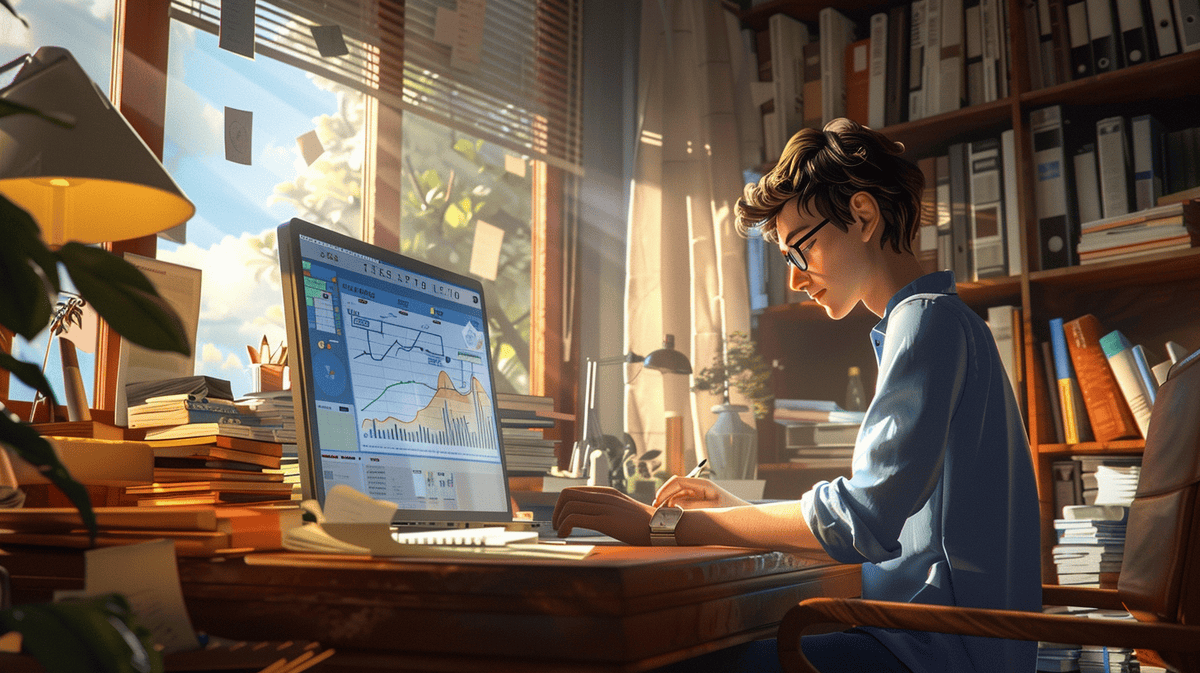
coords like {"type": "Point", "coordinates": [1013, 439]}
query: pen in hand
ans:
{"type": "Point", "coordinates": [696, 470]}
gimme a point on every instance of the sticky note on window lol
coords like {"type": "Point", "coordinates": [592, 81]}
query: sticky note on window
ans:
{"type": "Point", "coordinates": [514, 164]}
{"type": "Point", "coordinates": [238, 127]}
{"type": "Point", "coordinates": [466, 52]}
{"type": "Point", "coordinates": [485, 253]}
{"type": "Point", "coordinates": [237, 27]}
{"type": "Point", "coordinates": [445, 26]}
{"type": "Point", "coordinates": [310, 147]}
{"type": "Point", "coordinates": [329, 41]}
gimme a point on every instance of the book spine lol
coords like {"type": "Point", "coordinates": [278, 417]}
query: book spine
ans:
{"type": "Point", "coordinates": [1187, 15]}
{"type": "Point", "coordinates": [812, 87]}
{"type": "Point", "coordinates": [1081, 43]}
{"type": "Point", "coordinates": [995, 63]}
{"type": "Point", "coordinates": [933, 57]}
{"type": "Point", "coordinates": [1087, 185]}
{"type": "Point", "coordinates": [1056, 413]}
{"type": "Point", "coordinates": [857, 68]}
{"type": "Point", "coordinates": [1062, 41]}
{"type": "Point", "coordinates": [1046, 56]}
{"type": "Point", "coordinates": [1112, 158]}
{"type": "Point", "coordinates": [927, 235]}
{"type": "Point", "coordinates": [1101, 31]}
{"type": "Point", "coordinates": [877, 75]}
{"type": "Point", "coordinates": [945, 242]}
{"type": "Point", "coordinates": [836, 33]}
{"type": "Point", "coordinates": [1146, 133]}
{"type": "Point", "coordinates": [1162, 20]}
{"type": "Point", "coordinates": [1119, 352]}
{"type": "Point", "coordinates": [1033, 45]}
{"type": "Point", "coordinates": [788, 37]}
{"type": "Point", "coordinates": [1131, 26]}
{"type": "Point", "coordinates": [1108, 413]}
{"type": "Point", "coordinates": [897, 66]}
{"type": "Point", "coordinates": [1075, 422]}
{"type": "Point", "coordinates": [1012, 215]}
{"type": "Point", "coordinates": [1056, 225]}
{"type": "Point", "coordinates": [918, 28]}
{"type": "Point", "coordinates": [973, 52]}
{"type": "Point", "coordinates": [987, 211]}
{"type": "Point", "coordinates": [1000, 322]}
{"type": "Point", "coordinates": [951, 69]}
{"type": "Point", "coordinates": [960, 211]}
{"type": "Point", "coordinates": [1149, 383]}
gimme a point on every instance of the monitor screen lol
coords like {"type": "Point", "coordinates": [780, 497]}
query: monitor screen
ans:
{"type": "Point", "coordinates": [392, 379]}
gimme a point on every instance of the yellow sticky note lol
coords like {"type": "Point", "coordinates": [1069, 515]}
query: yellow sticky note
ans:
{"type": "Point", "coordinates": [485, 253]}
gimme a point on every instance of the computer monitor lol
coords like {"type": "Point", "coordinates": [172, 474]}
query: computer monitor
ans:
{"type": "Point", "coordinates": [391, 380]}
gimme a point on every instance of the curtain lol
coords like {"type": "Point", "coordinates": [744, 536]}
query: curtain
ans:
{"type": "Point", "coordinates": [686, 264]}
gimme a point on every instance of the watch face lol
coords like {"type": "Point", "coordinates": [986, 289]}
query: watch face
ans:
{"type": "Point", "coordinates": [666, 517]}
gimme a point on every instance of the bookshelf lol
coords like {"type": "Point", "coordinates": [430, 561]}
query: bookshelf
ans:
{"type": "Point", "coordinates": [1152, 299]}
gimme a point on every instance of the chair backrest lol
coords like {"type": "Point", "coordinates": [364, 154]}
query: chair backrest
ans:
{"type": "Point", "coordinates": [1160, 572]}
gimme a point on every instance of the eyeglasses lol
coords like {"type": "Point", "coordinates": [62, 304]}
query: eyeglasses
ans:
{"type": "Point", "coordinates": [794, 255]}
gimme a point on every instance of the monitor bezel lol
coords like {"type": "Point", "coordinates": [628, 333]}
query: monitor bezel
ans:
{"type": "Point", "coordinates": [303, 391]}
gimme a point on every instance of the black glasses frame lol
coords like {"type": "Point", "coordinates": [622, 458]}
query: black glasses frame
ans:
{"type": "Point", "coordinates": [794, 255]}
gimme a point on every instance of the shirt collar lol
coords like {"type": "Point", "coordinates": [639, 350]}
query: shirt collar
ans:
{"type": "Point", "coordinates": [938, 282]}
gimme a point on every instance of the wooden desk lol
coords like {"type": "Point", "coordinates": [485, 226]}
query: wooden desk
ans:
{"type": "Point", "coordinates": [622, 609]}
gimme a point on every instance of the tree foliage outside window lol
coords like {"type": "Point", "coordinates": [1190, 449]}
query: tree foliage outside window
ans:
{"type": "Point", "coordinates": [451, 183]}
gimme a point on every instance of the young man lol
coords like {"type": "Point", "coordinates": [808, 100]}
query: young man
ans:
{"type": "Point", "coordinates": [941, 507]}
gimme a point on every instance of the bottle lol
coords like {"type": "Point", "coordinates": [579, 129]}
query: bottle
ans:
{"type": "Point", "coordinates": [856, 397]}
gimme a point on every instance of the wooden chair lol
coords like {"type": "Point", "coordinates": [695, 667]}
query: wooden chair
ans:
{"type": "Point", "coordinates": [1160, 574]}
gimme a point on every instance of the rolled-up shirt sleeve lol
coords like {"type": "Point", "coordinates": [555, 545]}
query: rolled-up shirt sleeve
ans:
{"type": "Point", "coordinates": [899, 453]}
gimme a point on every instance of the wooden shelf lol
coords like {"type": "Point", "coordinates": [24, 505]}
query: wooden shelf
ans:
{"type": "Point", "coordinates": [1090, 448]}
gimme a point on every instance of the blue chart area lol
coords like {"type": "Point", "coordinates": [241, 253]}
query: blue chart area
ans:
{"type": "Point", "coordinates": [330, 373]}
{"type": "Point", "coordinates": [420, 386]}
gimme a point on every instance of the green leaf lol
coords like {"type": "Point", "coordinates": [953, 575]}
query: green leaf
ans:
{"type": "Point", "coordinates": [29, 374]}
{"type": "Point", "coordinates": [466, 148]}
{"type": "Point", "coordinates": [35, 450]}
{"type": "Point", "coordinates": [25, 303]}
{"type": "Point", "coordinates": [99, 633]}
{"type": "Point", "coordinates": [124, 298]}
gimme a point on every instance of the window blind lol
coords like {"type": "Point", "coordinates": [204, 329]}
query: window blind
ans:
{"type": "Point", "coordinates": [523, 94]}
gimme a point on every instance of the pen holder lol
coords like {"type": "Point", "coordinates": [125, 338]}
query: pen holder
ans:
{"type": "Point", "coordinates": [266, 377]}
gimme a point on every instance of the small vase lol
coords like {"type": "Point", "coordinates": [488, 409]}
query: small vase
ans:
{"type": "Point", "coordinates": [732, 444]}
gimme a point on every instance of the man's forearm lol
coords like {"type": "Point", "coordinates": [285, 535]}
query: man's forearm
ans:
{"type": "Point", "coordinates": [779, 526]}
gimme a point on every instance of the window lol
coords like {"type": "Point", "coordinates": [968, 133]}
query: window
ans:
{"type": "Point", "coordinates": [86, 29]}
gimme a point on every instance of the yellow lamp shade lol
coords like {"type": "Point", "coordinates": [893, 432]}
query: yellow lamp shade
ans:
{"type": "Point", "coordinates": [91, 182]}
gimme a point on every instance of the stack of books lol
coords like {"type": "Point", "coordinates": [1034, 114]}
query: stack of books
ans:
{"type": "Point", "coordinates": [183, 415]}
{"type": "Point", "coordinates": [791, 412]}
{"type": "Point", "coordinates": [1164, 228]}
{"type": "Point", "coordinates": [523, 419]}
{"type": "Point", "coordinates": [820, 444]}
{"type": "Point", "coordinates": [273, 409]}
{"type": "Point", "coordinates": [1057, 657]}
{"type": "Point", "coordinates": [196, 531]}
{"type": "Point", "coordinates": [215, 470]}
{"type": "Point", "coordinates": [1091, 545]}
{"type": "Point", "coordinates": [1108, 659]}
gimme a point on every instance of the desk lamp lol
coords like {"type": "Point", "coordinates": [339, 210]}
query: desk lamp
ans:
{"type": "Point", "coordinates": [90, 177]}
{"type": "Point", "coordinates": [666, 360]}
{"type": "Point", "coordinates": [92, 180]}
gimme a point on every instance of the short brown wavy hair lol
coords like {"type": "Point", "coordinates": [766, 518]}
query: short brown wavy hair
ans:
{"type": "Point", "coordinates": [825, 168]}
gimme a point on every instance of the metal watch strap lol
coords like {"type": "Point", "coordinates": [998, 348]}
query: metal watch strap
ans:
{"type": "Point", "coordinates": [664, 535]}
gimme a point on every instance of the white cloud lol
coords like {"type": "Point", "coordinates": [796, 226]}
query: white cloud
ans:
{"type": "Point", "coordinates": [239, 294]}
{"type": "Point", "coordinates": [210, 353]}
{"type": "Point", "coordinates": [232, 363]}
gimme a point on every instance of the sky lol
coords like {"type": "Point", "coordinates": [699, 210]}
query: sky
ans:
{"type": "Point", "coordinates": [238, 305]}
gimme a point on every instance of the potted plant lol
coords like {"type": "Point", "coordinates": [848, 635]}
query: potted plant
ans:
{"type": "Point", "coordinates": [730, 442]}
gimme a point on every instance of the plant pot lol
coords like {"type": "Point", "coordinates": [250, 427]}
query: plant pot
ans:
{"type": "Point", "coordinates": [732, 444]}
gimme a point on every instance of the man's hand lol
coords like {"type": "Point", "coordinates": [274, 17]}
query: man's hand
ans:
{"type": "Point", "coordinates": [693, 493]}
{"type": "Point", "coordinates": [603, 509]}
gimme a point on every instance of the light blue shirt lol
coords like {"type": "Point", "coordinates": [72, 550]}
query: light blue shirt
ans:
{"type": "Point", "coordinates": [941, 507]}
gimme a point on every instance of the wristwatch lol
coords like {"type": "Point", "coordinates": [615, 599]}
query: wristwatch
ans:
{"type": "Point", "coordinates": [662, 526]}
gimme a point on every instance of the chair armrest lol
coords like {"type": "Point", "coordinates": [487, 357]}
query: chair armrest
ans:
{"type": "Point", "coordinates": [1012, 624]}
{"type": "Point", "coordinates": [1090, 597]}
